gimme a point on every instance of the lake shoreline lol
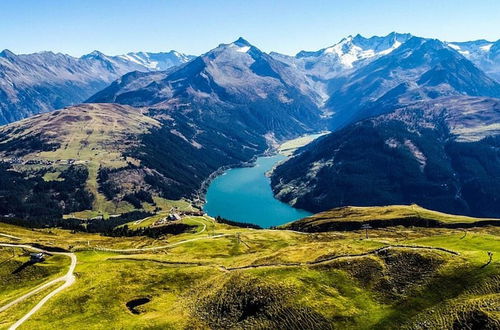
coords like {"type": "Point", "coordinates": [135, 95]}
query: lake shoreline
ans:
{"type": "Point", "coordinates": [246, 195]}
{"type": "Point", "coordinates": [200, 200]}
{"type": "Point", "coordinates": [202, 191]}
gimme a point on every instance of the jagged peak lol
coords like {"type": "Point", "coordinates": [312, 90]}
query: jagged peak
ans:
{"type": "Point", "coordinates": [240, 45]}
{"type": "Point", "coordinates": [94, 54]}
{"type": "Point", "coordinates": [7, 53]}
{"type": "Point", "coordinates": [435, 43]}
{"type": "Point", "coordinates": [344, 40]}
{"type": "Point", "coordinates": [385, 43]}
{"type": "Point", "coordinates": [242, 42]}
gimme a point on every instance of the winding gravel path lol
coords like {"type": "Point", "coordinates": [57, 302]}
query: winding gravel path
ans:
{"type": "Point", "coordinates": [10, 236]}
{"type": "Point", "coordinates": [68, 279]}
{"type": "Point", "coordinates": [341, 256]}
{"type": "Point", "coordinates": [162, 246]}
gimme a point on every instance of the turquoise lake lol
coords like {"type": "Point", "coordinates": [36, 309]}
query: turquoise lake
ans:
{"type": "Point", "coordinates": [245, 195]}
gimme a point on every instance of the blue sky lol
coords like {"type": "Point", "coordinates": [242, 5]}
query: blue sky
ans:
{"type": "Point", "coordinates": [119, 26]}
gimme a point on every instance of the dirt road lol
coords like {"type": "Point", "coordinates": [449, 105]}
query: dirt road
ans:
{"type": "Point", "coordinates": [68, 279]}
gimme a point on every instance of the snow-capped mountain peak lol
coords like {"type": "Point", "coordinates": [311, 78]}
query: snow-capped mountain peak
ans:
{"type": "Point", "coordinates": [242, 42]}
{"type": "Point", "coordinates": [483, 53]}
{"type": "Point", "coordinates": [240, 45]}
{"type": "Point", "coordinates": [348, 54]}
{"type": "Point", "coordinates": [352, 49]}
{"type": "Point", "coordinates": [157, 61]}
{"type": "Point", "coordinates": [94, 55]}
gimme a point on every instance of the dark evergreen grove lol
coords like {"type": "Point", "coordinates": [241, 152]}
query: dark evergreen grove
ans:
{"type": "Point", "coordinates": [457, 177]}
{"type": "Point", "coordinates": [27, 196]}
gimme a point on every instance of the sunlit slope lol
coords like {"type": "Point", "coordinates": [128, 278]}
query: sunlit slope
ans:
{"type": "Point", "coordinates": [218, 276]}
{"type": "Point", "coordinates": [354, 217]}
{"type": "Point", "coordinates": [86, 138]}
{"type": "Point", "coordinates": [107, 159]}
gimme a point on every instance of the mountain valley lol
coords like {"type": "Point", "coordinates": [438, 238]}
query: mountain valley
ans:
{"type": "Point", "coordinates": [236, 102]}
{"type": "Point", "coordinates": [388, 146]}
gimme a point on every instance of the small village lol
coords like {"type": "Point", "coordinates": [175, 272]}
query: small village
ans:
{"type": "Point", "coordinates": [21, 161]}
{"type": "Point", "coordinates": [176, 215]}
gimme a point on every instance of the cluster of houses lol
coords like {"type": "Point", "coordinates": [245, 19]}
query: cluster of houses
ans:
{"type": "Point", "coordinates": [175, 216]}
{"type": "Point", "coordinates": [21, 161]}
{"type": "Point", "coordinates": [169, 218]}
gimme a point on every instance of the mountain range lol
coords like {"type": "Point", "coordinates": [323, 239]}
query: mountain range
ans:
{"type": "Point", "coordinates": [484, 54]}
{"type": "Point", "coordinates": [420, 104]}
{"type": "Point", "coordinates": [220, 109]}
{"type": "Point", "coordinates": [234, 84]}
{"type": "Point", "coordinates": [350, 53]}
{"type": "Point", "coordinates": [42, 82]}
{"type": "Point", "coordinates": [418, 70]}
{"type": "Point", "coordinates": [105, 162]}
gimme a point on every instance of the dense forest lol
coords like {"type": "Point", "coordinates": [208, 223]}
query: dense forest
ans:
{"type": "Point", "coordinates": [28, 196]}
{"type": "Point", "coordinates": [369, 164]}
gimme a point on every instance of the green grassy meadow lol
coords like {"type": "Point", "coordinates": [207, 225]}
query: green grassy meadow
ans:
{"type": "Point", "coordinates": [350, 215]}
{"type": "Point", "coordinates": [266, 279]}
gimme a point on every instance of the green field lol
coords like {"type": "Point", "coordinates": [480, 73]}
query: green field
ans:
{"type": "Point", "coordinates": [219, 276]}
{"type": "Point", "coordinates": [288, 148]}
{"type": "Point", "coordinates": [350, 215]}
{"type": "Point", "coordinates": [13, 284]}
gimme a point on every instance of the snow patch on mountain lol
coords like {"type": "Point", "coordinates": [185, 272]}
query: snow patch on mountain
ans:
{"type": "Point", "coordinates": [349, 51]}
{"type": "Point", "coordinates": [343, 57]}
{"type": "Point", "coordinates": [243, 49]}
{"type": "Point", "coordinates": [157, 61]}
{"type": "Point", "coordinates": [483, 53]}
{"type": "Point", "coordinates": [486, 48]}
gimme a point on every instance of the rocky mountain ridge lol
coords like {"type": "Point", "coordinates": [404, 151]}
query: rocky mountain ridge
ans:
{"type": "Point", "coordinates": [45, 81]}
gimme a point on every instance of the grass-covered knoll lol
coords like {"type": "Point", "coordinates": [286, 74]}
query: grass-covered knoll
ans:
{"type": "Point", "coordinates": [84, 133]}
{"type": "Point", "coordinates": [354, 217]}
{"type": "Point", "coordinates": [398, 277]}
{"type": "Point", "coordinates": [87, 137]}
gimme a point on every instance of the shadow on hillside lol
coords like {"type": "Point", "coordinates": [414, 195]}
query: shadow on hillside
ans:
{"type": "Point", "coordinates": [23, 266]}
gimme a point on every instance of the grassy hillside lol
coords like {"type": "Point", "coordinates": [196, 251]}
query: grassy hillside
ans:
{"type": "Point", "coordinates": [354, 217]}
{"type": "Point", "coordinates": [88, 137]}
{"type": "Point", "coordinates": [14, 273]}
{"type": "Point", "coordinates": [218, 276]}
{"type": "Point", "coordinates": [105, 159]}
{"type": "Point", "coordinates": [290, 146]}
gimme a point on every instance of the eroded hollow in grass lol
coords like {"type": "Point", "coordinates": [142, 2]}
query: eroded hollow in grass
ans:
{"type": "Point", "coordinates": [132, 304]}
